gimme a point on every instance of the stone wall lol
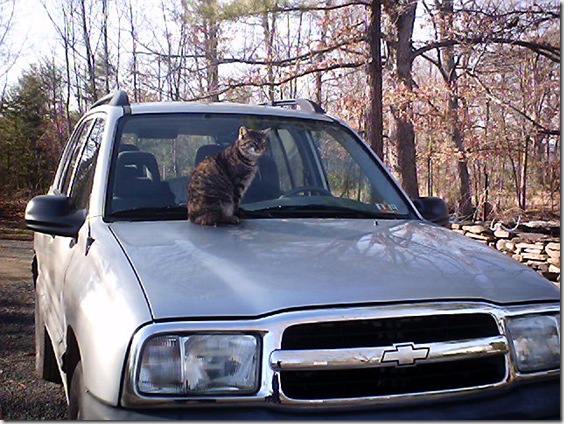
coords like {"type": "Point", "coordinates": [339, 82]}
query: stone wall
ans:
{"type": "Point", "coordinates": [535, 244]}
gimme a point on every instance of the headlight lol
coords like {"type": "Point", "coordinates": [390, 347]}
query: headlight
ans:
{"type": "Point", "coordinates": [536, 342]}
{"type": "Point", "coordinates": [161, 369]}
{"type": "Point", "coordinates": [199, 364]}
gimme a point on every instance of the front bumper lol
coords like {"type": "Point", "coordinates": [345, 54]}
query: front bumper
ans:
{"type": "Point", "coordinates": [527, 401]}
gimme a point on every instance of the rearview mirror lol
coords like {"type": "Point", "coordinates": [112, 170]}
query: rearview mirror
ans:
{"type": "Point", "coordinates": [54, 214]}
{"type": "Point", "coordinates": [433, 209]}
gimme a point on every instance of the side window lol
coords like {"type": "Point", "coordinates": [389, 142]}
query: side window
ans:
{"type": "Point", "coordinates": [345, 177]}
{"type": "Point", "coordinates": [288, 160]}
{"type": "Point", "coordinates": [71, 158]}
{"type": "Point", "coordinates": [63, 167]}
{"type": "Point", "coordinates": [84, 176]}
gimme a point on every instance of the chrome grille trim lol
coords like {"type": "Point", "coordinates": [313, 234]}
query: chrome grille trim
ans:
{"type": "Point", "coordinates": [376, 357]}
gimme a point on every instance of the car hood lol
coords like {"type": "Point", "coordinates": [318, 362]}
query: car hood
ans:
{"type": "Point", "coordinates": [267, 265]}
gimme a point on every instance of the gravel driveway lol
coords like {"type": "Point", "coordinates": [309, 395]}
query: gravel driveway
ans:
{"type": "Point", "coordinates": [23, 396]}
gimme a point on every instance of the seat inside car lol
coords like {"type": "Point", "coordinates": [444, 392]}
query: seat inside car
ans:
{"type": "Point", "coordinates": [138, 182]}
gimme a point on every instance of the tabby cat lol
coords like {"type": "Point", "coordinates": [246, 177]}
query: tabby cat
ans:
{"type": "Point", "coordinates": [219, 181]}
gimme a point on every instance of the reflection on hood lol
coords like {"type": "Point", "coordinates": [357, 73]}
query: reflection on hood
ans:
{"type": "Point", "coordinates": [263, 266]}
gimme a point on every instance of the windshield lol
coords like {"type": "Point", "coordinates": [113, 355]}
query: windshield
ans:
{"type": "Point", "coordinates": [310, 169]}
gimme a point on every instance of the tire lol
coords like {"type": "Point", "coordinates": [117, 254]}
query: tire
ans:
{"type": "Point", "coordinates": [76, 393]}
{"type": "Point", "coordinates": [46, 365]}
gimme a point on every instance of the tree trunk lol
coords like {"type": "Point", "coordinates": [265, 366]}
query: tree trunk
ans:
{"type": "Point", "coordinates": [465, 196]}
{"type": "Point", "coordinates": [523, 176]}
{"type": "Point", "coordinates": [212, 42]}
{"type": "Point", "coordinates": [67, 46]}
{"type": "Point", "coordinates": [323, 43]}
{"type": "Point", "coordinates": [134, 67]}
{"type": "Point", "coordinates": [404, 16]}
{"type": "Point", "coordinates": [105, 45]}
{"type": "Point", "coordinates": [375, 124]}
{"type": "Point", "coordinates": [268, 33]}
{"type": "Point", "coordinates": [92, 94]}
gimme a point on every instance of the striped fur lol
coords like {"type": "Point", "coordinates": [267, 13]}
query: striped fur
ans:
{"type": "Point", "coordinates": [219, 182]}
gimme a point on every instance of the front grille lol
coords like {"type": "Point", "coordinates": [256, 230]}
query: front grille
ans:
{"type": "Point", "coordinates": [392, 381]}
{"type": "Point", "coordinates": [382, 381]}
{"type": "Point", "coordinates": [385, 332]}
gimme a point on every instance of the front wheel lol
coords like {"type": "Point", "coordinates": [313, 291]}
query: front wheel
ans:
{"type": "Point", "coordinates": [76, 393]}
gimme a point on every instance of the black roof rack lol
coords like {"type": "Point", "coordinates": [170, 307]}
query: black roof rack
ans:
{"type": "Point", "coordinates": [116, 98]}
{"type": "Point", "coordinates": [305, 105]}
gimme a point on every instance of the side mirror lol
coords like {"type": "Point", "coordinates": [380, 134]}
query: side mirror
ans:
{"type": "Point", "coordinates": [433, 209]}
{"type": "Point", "coordinates": [54, 214]}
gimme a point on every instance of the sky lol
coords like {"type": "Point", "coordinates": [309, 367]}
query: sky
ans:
{"type": "Point", "coordinates": [32, 35]}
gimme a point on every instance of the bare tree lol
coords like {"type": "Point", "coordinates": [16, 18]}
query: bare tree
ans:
{"type": "Point", "coordinates": [465, 36]}
{"type": "Point", "coordinates": [132, 28]}
{"type": "Point", "coordinates": [86, 23]}
{"type": "Point", "coordinates": [447, 61]}
{"type": "Point", "coordinates": [375, 126]}
{"type": "Point", "coordinates": [473, 105]}
{"type": "Point", "coordinates": [106, 53]}
{"type": "Point", "coordinates": [8, 56]}
{"type": "Point", "coordinates": [402, 16]}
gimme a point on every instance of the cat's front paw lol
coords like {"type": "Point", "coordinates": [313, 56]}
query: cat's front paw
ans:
{"type": "Point", "coordinates": [235, 220]}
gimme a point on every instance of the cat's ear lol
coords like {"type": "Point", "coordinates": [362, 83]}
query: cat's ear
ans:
{"type": "Point", "coordinates": [243, 131]}
{"type": "Point", "coordinates": [266, 132]}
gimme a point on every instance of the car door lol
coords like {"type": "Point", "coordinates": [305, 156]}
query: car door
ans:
{"type": "Point", "coordinates": [54, 253]}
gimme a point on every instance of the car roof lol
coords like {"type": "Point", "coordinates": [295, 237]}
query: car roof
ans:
{"type": "Point", "coordinates": [224, 108]}
{"type": "Point", "coordinates": [295, 108]}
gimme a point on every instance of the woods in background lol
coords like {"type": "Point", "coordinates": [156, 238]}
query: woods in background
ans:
{"type": "Point", "coordinates": [460, 98]}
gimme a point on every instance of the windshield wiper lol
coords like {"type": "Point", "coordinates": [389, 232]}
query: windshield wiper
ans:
{"type": "Point", "coordinates": [281, 211]}
{"type": "Point", "coordinates": [155, 212]}
{"type": "Point", "coordinates": [322, 211]}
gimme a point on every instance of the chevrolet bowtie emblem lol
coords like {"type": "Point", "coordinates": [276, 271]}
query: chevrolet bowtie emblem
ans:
{"type": "Point", "coordinates": [405, 354]}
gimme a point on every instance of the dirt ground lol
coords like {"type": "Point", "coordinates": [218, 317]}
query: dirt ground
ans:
{"type": "Point", "coordinates": [23, 396]}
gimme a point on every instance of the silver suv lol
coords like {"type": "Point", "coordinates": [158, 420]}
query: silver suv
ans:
{"type": "Point", "coordinates": [336, 297]}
